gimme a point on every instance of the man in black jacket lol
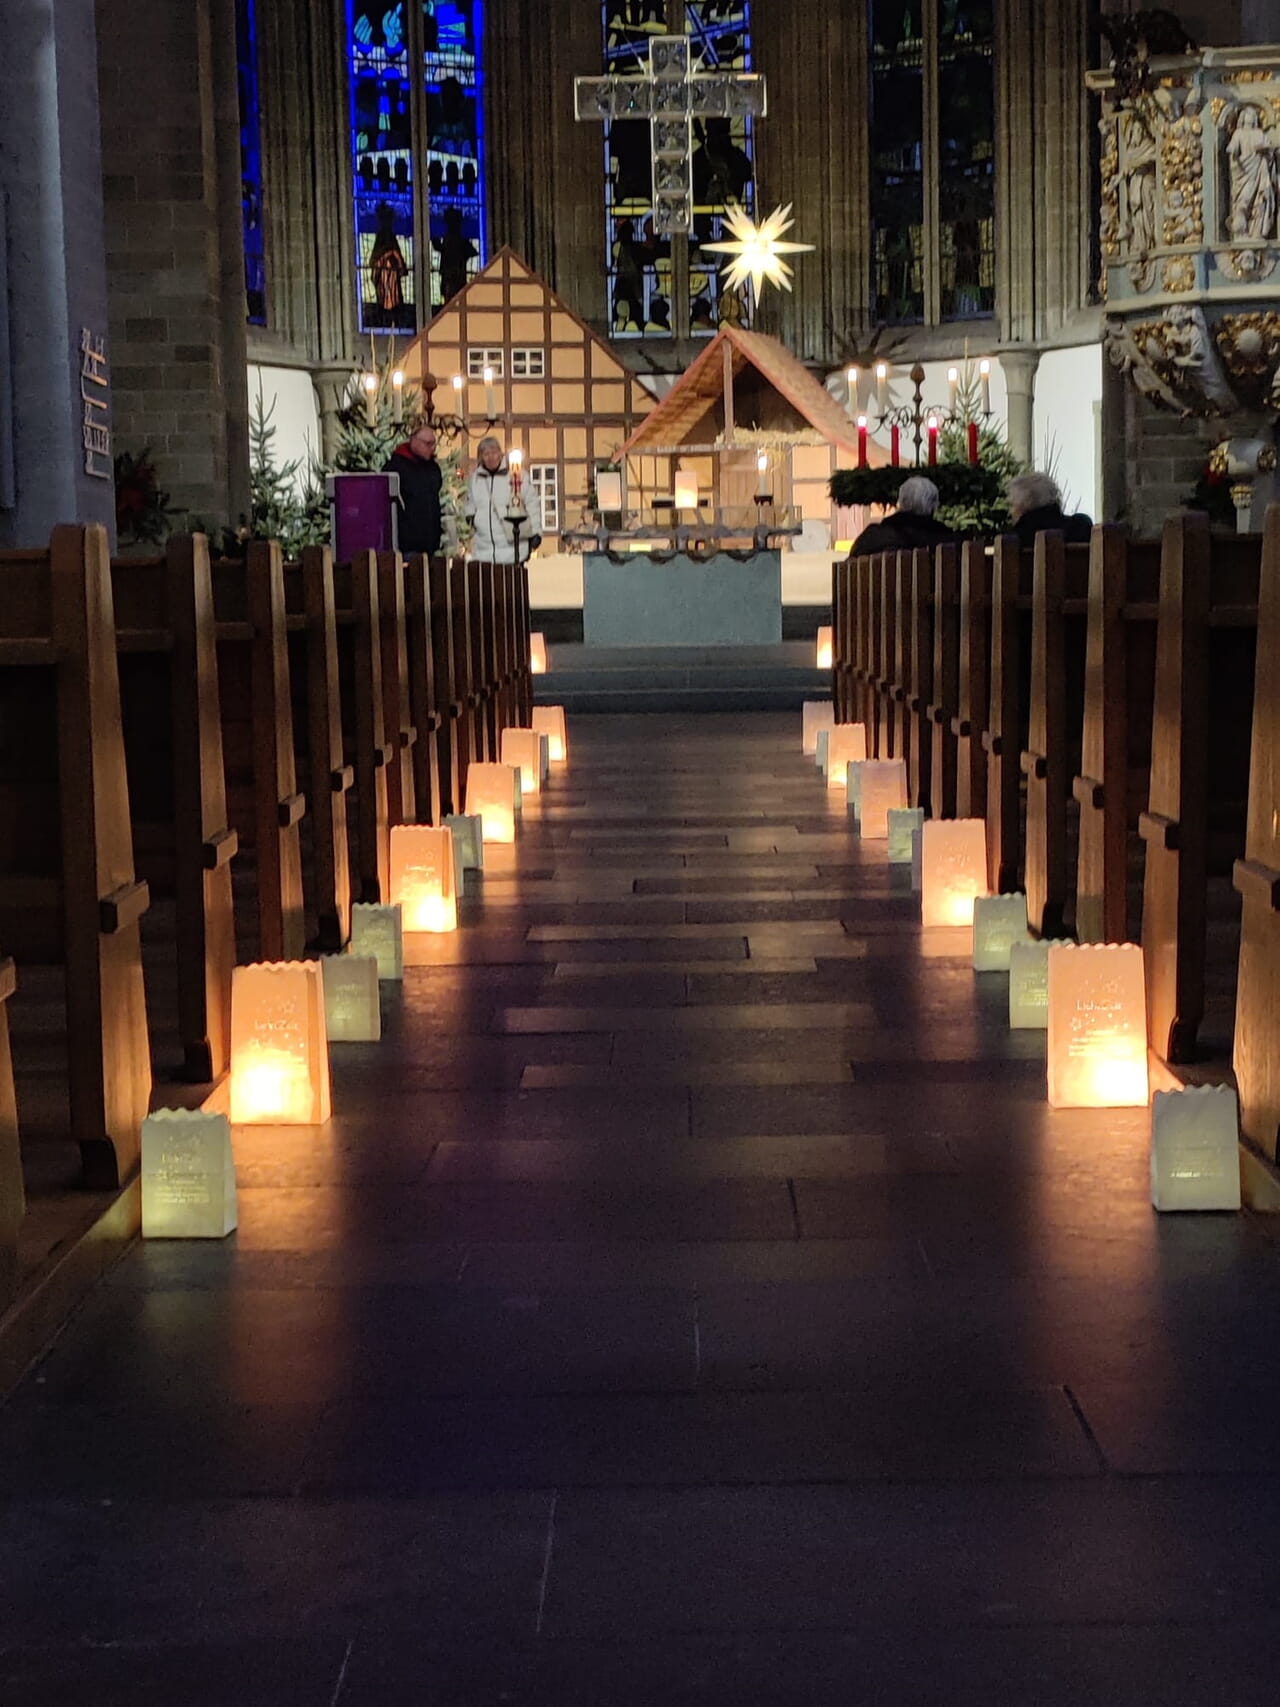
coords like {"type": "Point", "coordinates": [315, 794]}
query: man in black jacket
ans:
{"type": "Point", "coordinates": [911, 525]}
{"type": "Point", "coordinates": [421, 477]}
{"type": "Point", "coordinates": [1035, 504]}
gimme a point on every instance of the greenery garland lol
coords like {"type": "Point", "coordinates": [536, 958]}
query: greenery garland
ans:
{"type": "Point", "coordinates": [959, 484]}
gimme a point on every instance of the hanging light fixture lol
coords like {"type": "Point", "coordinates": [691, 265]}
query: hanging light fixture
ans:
{"type": "Point", "coordinates": [757, 250]}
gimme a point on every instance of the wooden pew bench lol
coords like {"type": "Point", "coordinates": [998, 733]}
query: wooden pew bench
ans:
{"type": "Point", "coordinates": [365, 746]}
{"type": "Point", "coordinates": [12, 1193]}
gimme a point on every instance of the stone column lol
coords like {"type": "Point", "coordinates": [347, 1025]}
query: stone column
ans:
{"type": "Point", "coordinates": [175, 265]}
{"type": "Point", "coordinates": [51, 249]}
{"type": "Point", "coordinates": [1019, 367]}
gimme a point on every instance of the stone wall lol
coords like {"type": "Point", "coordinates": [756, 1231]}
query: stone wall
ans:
{"type": "Point", "coordinates": [170, 143]}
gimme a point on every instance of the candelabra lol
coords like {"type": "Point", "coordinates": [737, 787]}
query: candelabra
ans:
{"type": "Point", "coordinates": [921, 423]}
{"type": "Point", "coordinates": [455, 425]}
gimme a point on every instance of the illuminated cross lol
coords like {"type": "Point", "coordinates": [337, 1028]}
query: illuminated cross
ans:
{"type": "Point", "coordinates": [671, 95]}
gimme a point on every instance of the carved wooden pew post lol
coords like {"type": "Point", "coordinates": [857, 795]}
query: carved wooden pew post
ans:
{"type": "Point", "coordinates": [70, 894]}
{"type": "Point", "coordinates": [1001, 738]}
{"type": "Point", "coordinates": [330, 777]}
{"type": "Point", "coordinates": [524, 672]}
{"type": "Point", "coordinates": [1044, 763]}
{"type": "Point", "coordinates": [397, 715]}
{"type": "Point", "coordinates": [919, 682]}
{"type": "Point", "coordinates": [973, 691]}
{"type": "Point", "coordinates": [12, 1194]}
{"type": "Point", "coordinates": [1257, 878]}
{"type": "Point", "coordinates": [944, 700]}
{"type": "Point", "coordinates": [424, 712]}
{"type": "Point", "coordinates": [370, 753]}
{"type": "Point", "coordinates": [903, 640]}
{"type": "Point", "coordinates": [887, 593]}
{"type": "Point", "coordinates": [466, 693]}
{"type": "Point", "coordinates": [841, 649]}
{"type": "Point", "coordinates": [448, 704]}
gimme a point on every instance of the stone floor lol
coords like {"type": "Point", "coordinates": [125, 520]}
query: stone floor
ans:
{"type": "Point", "coordinates": [693, 1300]}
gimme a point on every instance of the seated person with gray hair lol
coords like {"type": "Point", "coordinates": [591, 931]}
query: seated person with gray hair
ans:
{"type": "Point", "coordinates": [1035, 504]}
{"type": "Point", "coordinates": [911, 526]}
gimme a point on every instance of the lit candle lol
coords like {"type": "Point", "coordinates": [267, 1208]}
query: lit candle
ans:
{"type": "Point", "coordinates": [762, 475]}
{"type": "Point", "coordinates": [862, 441]}
{"type": "Point", "coordinates": [953, 386]}
{"type": "Point", "coordinates": [490, 407]}
{"type": "Point", "coordinates": [984, 382]}
{"type": "Point", "coordinates": [973, 443]}
{"type": "Point", "coordinates": [933, 440]}
{"type": "Point", "coordinates": [397, 397]}
{"type": "Point", "coordinates": [853, 387]}
{"type": "Point", "coordinates": [515, 461]}
{"type": "Point", "coordinates": [370, 399]}
{"type": "Point", "coordinates": [895, 446]}
{"type": "Point", "coordinates": [458, 383]}
{"type": "Point", "coordinates": [882, 385]}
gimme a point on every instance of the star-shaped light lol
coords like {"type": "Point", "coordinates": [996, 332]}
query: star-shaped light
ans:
{"type": "Point", "coordinates": [757, 250]}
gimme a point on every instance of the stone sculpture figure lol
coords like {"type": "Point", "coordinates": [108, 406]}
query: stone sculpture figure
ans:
{"type": "Point", "coordinates": [1255, 190]}
{"type": "Point", "coordinates": [1139, 185]}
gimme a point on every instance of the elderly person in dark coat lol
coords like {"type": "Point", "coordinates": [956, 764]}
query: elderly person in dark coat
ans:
{"type": "Point", "coordinates": [1035, 504]}
{"type": "Point", "coordinates": [912, 524]}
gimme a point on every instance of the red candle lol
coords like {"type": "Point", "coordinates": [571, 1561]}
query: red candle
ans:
{"type": "Point", "coordinates": [973, 443]}
{"type": "Point", "coordinates": [862, 441]}
{"type": "Point", "coordinates": [895, 446]}
{"type": "Point", "coordinates": [933, 443]}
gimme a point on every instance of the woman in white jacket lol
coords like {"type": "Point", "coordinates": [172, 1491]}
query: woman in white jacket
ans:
{"type": "Point", "coordinates": [488, 500]}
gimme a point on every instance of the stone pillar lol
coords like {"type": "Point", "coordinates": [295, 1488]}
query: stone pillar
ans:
{"type": "Point", "coordinates": [51, 249]}
{"type": "Point", "coordinates": [175, 264]}
{"type": "Point", "coordinates": [1019, 367]}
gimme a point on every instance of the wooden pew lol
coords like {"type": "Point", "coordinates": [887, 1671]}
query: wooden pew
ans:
{"type": "Point", "coordinates": [866, 596]}
{"type": "Point", "coordinates": [524, 671]}
{"type": "Point", "coordinates": [915, 617]}
{"type": "Point", "coordinates": [1194, 825]}
{"type": "Point", "coordinates": [505, 645]}
{"type": "Point", "coordinates": [1055, 716]}
{"type": "Point", "coordinates": [462, 585]}
{"type": "Point", "coordinates": [973, 691]}
{"type": "Point", "coordinates": [365, 745]}
{"type": "Point", "coordinates": [424, 712]}
{"type": "Point", "coordinates": [265, 805]}
{"type": "Point", "coordinates": [943, 709]}
{"type": "Point", "coordinates": [12, 1193]}
{"type": "Point", "coordinates": [1006, 716]}
{"type": "Point", "coordinates": [397, 712]}
{"type": "Point", "coordinates": [1257, 879]}
{"type": "Point", "coordinates": [313, 646]}
{"type": "Point", "coordinates": [842, 665]}
{"type": "Point", "coordinates": [450, 761]}
{"type": "Point", "coordinates": [1115, 765]}
{"type": "Point", "coordinates": [483, 671]}
{"type": "Point", "coordinates": [171, 718]}
{"type": "Point", "coordinates": [69, 892]}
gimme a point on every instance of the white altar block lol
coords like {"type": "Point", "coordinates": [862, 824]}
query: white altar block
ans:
{"type": "Point", "coordinates": [1195, 1149]}
{"type": "Point", "coordinates": [352, 1012]}
{"type": "Point", "coordinates": [1097, 1026]}
{"type": "Point", "coordinates": [815, 714]}
{"type": "Point", "coordinates": [846, 743]}
{"type": "Point", "coordinates": [998, 922]}
{"type": "Point", "coordinates": [468, 840]}
{"type": "Point", "coordinates": [188, 1175]}
{"type": "Point", "coordinates": [882, 788]}
{"type": "Point", "coordinates": [904, 824]}
{"type": "Point", "coordinates": [376, 930]}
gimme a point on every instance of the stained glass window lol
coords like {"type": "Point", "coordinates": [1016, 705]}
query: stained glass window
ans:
{"type": "Point", "coordinates": [933, 159]}
{"type": "Point", "coordinates": [255, 259]}
{"type": "Point", "coordinates": [451, 58]}
{"type": "Point", "coordinates": [382, 165]}
{"type": "Point", "coordinates": [967, 157]}
{"type": "Point", "coordinates": [897, 159]}
{"type": "Point", "coordinates": [639, 261]}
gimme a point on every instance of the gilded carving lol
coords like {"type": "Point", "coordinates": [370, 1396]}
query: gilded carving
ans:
{"type": "Point", "coordinates": [1182, 166]}
{"type": "Point", "coordinates": [1109, 231]}
{"type": "Point", "coordinates": [1251, 149]}
{"type": "Point", "coordinates": [1248, 266]}
{"type": "Point", "coordinates": [1138, 180]}
{"type": "Point", "coordinates": [1179, 273]}
{"type": "Point", "coordinates": [1249, 343]}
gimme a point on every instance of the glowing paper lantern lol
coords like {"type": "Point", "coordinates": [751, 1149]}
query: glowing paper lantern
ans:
{"type": "Point", "coordinates": [423, 884]}
{"type": "Point", "coordinates": [1029, 985]}
{"type": "Point", "coordinates": [998, 922]}
{"type": "Point", "coordinates": [953, 870]}
{"type": "Point", "coordinates": [815, 714]}
{"type": "Point", "coordinates": [537, 654]}
{"type": "Point", "coordinates": [686, 490]}
{"type": "Point", "coordinates": [882, 788]}
{"type": "Point", "coordinates": [608, 489]}
{"type": "Point", "coordinates": [352, 1013]}
{"type": "Point", "coordinates": [377, 930]}
{"type": "Point", "coordinates": [521, 750]}
{"type": "Point", "coordinates": [1195, 1148]}
{"type": "Point", "coordinates": [824, 650]}
{"type": "Point", "coordinates": [188, 1175]}
{"type": "Point", "coordinates": [820, 750]}
{"type": "Point", "coordinates": [492, 792]}
{"type": "Point", "coordinates": [903, 824]}
{"type": "Point", "coordinates": [279, 1046]}
{"type": "Point", "coordinates": [549, 720]}
{"type": "Point", "coordinates": [917, 858]}
{"type": "Point", "coordinates": [468, 841]}
{"type": "Point", "coordinates": [1097, 1026]}
{"type": "Point", "coordinates": [853, 786]}
{"type": "Point", "coordinates": [846, 742]}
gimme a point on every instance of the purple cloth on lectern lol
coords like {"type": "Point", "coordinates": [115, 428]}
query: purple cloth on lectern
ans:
{"type": "Point", "coordinates": [364, 514]}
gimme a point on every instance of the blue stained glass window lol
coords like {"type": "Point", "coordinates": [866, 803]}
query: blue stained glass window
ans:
{"type": "Point", "coordinates": [382, 165]}
{"type": "Point", "coordinates": [452, 38]}
{"type": "Point", "coordinates": [639, 262]}
{"type": "Point", "coordinates": [255, 257]}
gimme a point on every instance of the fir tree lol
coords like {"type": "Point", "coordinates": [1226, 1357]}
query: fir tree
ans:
{"type": "Point", "coordinates": [982, 517]}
